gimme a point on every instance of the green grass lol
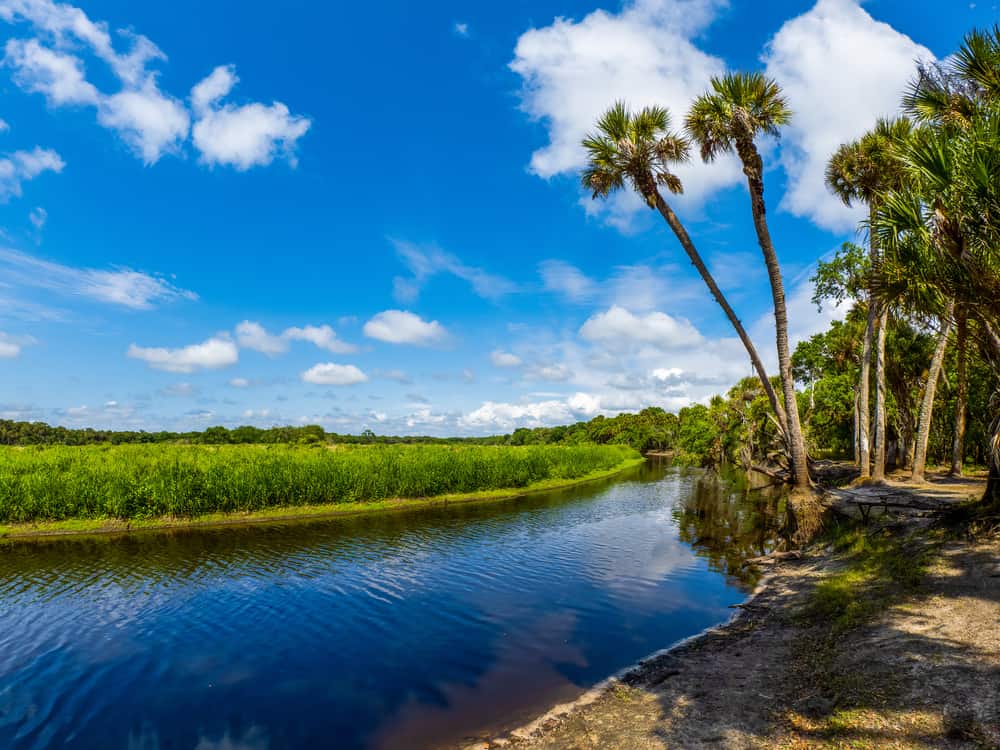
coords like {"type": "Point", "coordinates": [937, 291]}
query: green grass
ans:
{"type": "Point", "coordinates": [139, 483]}
{"type": "Point", "coordinates": [876, 569]}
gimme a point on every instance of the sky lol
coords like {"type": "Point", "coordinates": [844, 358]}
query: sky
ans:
{"type": "Point", "coordinates": [369, 216]}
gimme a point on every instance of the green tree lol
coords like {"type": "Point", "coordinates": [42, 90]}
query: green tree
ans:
{"type": "Point", "coordinates": [740, 108]}
{"type": "Point", "coordinates": [638, 150]}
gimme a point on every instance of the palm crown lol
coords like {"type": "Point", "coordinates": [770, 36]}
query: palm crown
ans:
{"type": "Point", "coordinates": [740, 106]}
{"type": "Point", "coordinates": [634, 149]}
{"type": "Point", "coordinates": [863, 169]}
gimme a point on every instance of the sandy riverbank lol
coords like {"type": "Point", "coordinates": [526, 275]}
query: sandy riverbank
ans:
{"type": "Point", "coordinates": [889, 638]}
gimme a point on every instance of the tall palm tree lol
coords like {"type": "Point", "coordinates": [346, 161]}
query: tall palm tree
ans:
{"type": "Point", "coordinates": [741, 107]}
{"type": "Point", "coordinates": [637, 150]}
{"type": "Point", "coordinates": [862, 171]}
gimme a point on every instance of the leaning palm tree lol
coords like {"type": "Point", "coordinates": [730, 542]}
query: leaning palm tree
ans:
{"type": "Point", "coordinates": [862, 171]}
{"type": "Point", "coordinates": [741, 107]}
{"type": "Point", "coordinates": [637, 150]}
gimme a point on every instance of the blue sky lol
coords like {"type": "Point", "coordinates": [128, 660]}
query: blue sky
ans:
{"type": "Point", "coordinates": [368, 215]}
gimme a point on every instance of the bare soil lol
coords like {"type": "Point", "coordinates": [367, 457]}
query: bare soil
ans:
{"type": "Point", "coordinates": [912, 662]}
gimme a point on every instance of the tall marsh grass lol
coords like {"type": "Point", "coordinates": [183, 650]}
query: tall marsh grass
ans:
{"type": "Point", "coordinates": [144, 481]}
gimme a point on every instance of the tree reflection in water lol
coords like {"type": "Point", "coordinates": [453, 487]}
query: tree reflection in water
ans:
{"type": "Point", "coordinates": [727, 521]}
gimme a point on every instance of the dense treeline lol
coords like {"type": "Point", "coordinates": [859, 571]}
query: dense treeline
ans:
{"type": "Point", "coordinates": [40, 433]}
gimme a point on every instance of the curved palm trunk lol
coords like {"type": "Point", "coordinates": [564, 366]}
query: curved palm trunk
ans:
{"type": "Point", "coordinates": [927, 404]}
{"type": "Point", "coordinates": [864, 395]}
{"type": "Point", "coordinates": [962, 392]}
{"type": "Point", "coordinates": [878, 471]}
{"type": "Point", "coordinates": [753, 169]}
{"type": "Point", "coordinates": [675, 224]}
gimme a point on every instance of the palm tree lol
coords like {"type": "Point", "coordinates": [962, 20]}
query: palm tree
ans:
{"type": "Point", "coordinates": [862, 171]}
{"type": "Point", "coordinates": [637, 150]}
{"type": "Point", "coordinates": [741, 107]}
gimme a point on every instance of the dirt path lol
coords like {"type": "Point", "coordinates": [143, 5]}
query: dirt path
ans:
{"type": "Point", "coordinates": [889, 638]}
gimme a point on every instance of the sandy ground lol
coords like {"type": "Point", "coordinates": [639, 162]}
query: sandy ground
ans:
{"type": "Point", "coordinates": [922, 671]}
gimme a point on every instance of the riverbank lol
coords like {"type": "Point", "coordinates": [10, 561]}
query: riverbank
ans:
{"type": "Point", "coordinates": [885, 635]}
{"type": "Point", "coordinates": [316, 511]}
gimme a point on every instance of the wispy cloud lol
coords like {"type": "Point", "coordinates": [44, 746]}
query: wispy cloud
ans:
{"type": "Point", "coordinates": [428, 261]}
{"type": "Point", "coordinates": [120, 286]}
{"type": "Point", "coordinates": [22, 166]}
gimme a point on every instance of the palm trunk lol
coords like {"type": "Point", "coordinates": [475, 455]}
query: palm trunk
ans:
{"type": "Point", "coordinates": [962, 392]}
{"type": "Point", "coordinates": [675, 224]}
{"type": "Point", "coordinates": [857, 428]}
{"type": "Point", "coordinates": [878, 472]}
{"type": "Point", "coordinates": [753, 168]}
{"type": "Point", "coordinates": [864, 394]}
{"type": "Point", "coordinates": [927, 404]}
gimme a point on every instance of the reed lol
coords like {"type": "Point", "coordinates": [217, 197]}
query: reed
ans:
{"type": "Point", "coordinates": [154, 481]}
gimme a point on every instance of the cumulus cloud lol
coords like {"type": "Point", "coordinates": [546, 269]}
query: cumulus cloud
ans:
{"type": "Point", "coordinates": [404, 327]}
{"type": "Point", "coordinates": [241, 136]}
{"type": "Point", "coordinates": [213, 354]}
{"type": "Point", "coordinates": [656, 329]}
{"type": "Point", "coordinates": [426, 261]}
{"type": "Point", "coordinates": [59, 77]}
{"type": "Point", "coordinates": [573, 70]}
{"type": "Point", "coordinates": [252, 335]}
{"type": "Point", "coordinates": [21, 166]}
{"type": "Point", "coordinates": [322, 336]}
{"type": "Point", "coordinates": [504, 359]}
{"type": "Point", "coordinates": [121, 286]}
{"type": "Point", "coordinates": [841, 69]}
{"type": "Point", "coordinates": [150, 121]}
{"type": "Point", "coordinates": [329, 373]}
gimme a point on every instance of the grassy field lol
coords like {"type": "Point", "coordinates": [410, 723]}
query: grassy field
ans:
{"type": "Point", "coordinates": [138, 482]}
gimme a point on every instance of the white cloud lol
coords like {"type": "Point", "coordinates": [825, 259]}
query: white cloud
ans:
{"type": "Point", "coordinates": [403, 327]}
{"type": "Point", "coordinates": [322, 336]}
{"type": "Point", "coordinates": [504, 359]}
{"type": "Point", "coordinates": [11, 346]}
{"type": "Point", "coordinates": [251, 335]}
{"type": "Point", "coordinates": [21, 166]}
{"type": "Point", "coordinates": [241, 136]}
{"type": "Point", "coordinates": [57, 76]}
{"type": "Point", "coordinates": [840, 70]}
{"type": "Point", "coordinates": [462, 29]}
{"type": "Point", "coordinates": [574, 70]}
{"type": "Point", "coordinates": [555, 373]}
{"type": "Point", "coordinates": [213, 354]}
{"type": "Point", "coordinates": [38, 216]}
{"type": "Point", "coordinates": [122, 286]}
{"type": "Point", "coordinates": [239, 383]}
{"type": "Point", "coordinates": [427, 261]}
{"type": "Point", "coordinates": [657, 329]}
{"type": "Point", "coordinates": [567, 280]}
{"type": "Point", "coordinates": [152, 123]}
{"type": "Point", "coordinates": [329, 373]}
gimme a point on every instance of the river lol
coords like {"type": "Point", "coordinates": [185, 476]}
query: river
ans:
{"type": "Point", "coordinates": [406, 630]}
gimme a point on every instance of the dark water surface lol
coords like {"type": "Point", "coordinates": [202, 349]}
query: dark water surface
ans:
{"type": "Point", "coordinates": [408, 630]}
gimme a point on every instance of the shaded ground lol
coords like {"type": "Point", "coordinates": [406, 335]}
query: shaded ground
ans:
{"type": "Point", "coordinates": [888, 637]}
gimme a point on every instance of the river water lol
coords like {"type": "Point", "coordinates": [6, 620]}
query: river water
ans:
{"type": "Point", "coordinates": [408, 630]}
